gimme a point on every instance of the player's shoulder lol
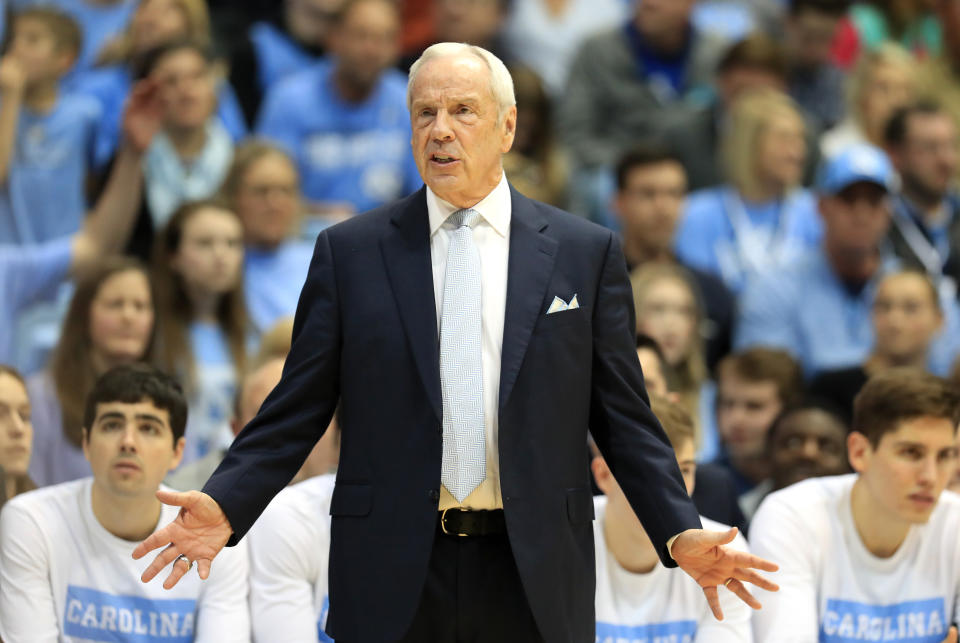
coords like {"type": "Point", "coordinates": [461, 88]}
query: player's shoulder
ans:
{"type": "Point", "coordinates": [809, 499]}
{"type": "Point", "coordinates": [946, 515]}
{"type": "Point", "coordinates": [50, 507]}
{"type": "Point", "coordinates": [306, 503]}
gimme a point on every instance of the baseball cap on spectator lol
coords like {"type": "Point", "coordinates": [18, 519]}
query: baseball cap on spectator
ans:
{"type": "Point", "coordinates": [857, 163]}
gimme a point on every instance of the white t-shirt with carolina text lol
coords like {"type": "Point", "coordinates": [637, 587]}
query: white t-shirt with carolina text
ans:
{"type": "Point", "coordinates": [64, 577]}
{"type": "Point", "coordinates": [663, 605]}
{"type": "Point", "coordinates": [833, 590]}
{"type": "Point", "coordinates": [289, 549]}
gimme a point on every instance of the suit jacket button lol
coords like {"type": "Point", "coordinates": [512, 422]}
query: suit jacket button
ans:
{"type": "Point", "coordinates": [433, 494]}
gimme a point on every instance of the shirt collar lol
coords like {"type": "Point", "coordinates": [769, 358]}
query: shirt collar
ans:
{"type": "Point", "coordinates": [494, 208]}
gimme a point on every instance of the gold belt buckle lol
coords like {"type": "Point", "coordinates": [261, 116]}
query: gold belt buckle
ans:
{"type": "Point", "coordinates": [443, 522]}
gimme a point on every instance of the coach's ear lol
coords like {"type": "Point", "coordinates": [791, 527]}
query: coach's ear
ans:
{"type": "Point", "coordinates": [859, 451]}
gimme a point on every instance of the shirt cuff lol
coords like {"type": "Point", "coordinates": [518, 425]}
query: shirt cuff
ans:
{"type": "Point", "coordinates": [670, 545]}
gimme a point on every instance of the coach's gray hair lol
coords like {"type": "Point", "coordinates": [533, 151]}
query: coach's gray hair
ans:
{"type": "Point", "coordinates": [501, 83]}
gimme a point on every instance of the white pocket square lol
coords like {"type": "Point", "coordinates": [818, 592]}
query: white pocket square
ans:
{"type": "Point", "coordinates": [558, 305]}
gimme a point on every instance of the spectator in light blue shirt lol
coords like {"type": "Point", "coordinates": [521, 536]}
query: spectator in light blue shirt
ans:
{"type": "Point", "coordinates": [262, 187]}
{"type": "Point", "coordinates": [345, 120]}
{"type": "Point", "coordinates": [760, 219]}
{"type": "Point", "coordinates": [818, 307]}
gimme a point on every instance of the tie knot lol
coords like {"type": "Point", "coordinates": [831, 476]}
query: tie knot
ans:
{"type": "Point", "coordinates": [466, 217]}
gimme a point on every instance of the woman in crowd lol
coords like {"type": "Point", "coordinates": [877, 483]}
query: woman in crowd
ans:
{"type": "Point", "coordinates": [262, 187]}
{"type": "Point", "coordinates": [110, 322]}
{"type": "Point", "coordinates": [883, 80]}
{"type": "Point", "coordinates": [202, 319]}
{"type": "Point", "coordinates": [906, 318]}
{"type": "Point", "coordinates": [155, 23]}
{"type": "Point", "coordinates": [16, 434]}
{"type": "Point", "coordinates": [669, 311]}
{"type": "Point", "coordinates": [760, 218]}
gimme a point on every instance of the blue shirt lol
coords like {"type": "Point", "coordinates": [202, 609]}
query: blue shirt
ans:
{"type": "Point", "coordinates": [732, 239]}
{"type": "Point", "coordinates": [26, 274]}
{"type": "Point", "coordinates": [44, 196]}
{"type": "Point", "coordinates": [806, 310]}
{"type": "Point", "coordinates": [357, 153]}
{"type": "Point", "coordinates": [211, 402]}
{"type": "Point", "coordinates": [273, 280]}
{"type": "Point", "coordinates": [278, 55]}
{"type": "Point", "coordinates": [98, 23]}
{"type": "Point", "coordinates": [111, 86]}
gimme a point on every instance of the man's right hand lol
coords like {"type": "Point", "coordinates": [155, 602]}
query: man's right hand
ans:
{"type": "Point", "coordinates": [198, 533]}
{"type": "Point", "coordinates": [951, 635]}
{"type": "Point", "coordinates": [12, 78]}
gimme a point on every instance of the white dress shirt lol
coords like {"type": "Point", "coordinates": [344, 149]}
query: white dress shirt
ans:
{"type": "Point", "coordinates": [492, 237]}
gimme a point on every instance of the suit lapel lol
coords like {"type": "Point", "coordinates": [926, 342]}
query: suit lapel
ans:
{"type": "Point", "coordinates": [530, 265]}
{"type": "Point", "coordinates": [406, 251]}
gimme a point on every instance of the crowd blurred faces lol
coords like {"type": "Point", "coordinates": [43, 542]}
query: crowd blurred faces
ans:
{"type": "Point", "coordinates": [475, 22]}
{"type": "Point", "coordinates": [366, 42]}
{"type": "Point", "coordinates": [755, 63]}
{"type": "Point", "coordinates": [652, 365]}
{"type": "Point", "coordinates": [187, 89]}
{"type": "Point", "coordinates": [665, 24]}
{"type": "Point", "coordinates": [311, 22]}
{"type": "Point", "coordinates": [16, 434]}
{"type": "Point", "coordinates": [40, 55]}
{"type": "Point", "coordinates": [810, 29]}
{"type": "Point", "coordinates": [855, 220]}
{"type": "Point", "coordinates": [906, 318]}
{"type": "Point", "coordinates": [158, 22]}
{"type": "Point", "coordinates": [806, 441]}
{"type": "Point", "coordinates": [921, 141]}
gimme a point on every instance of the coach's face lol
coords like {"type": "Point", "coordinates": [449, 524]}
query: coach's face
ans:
{"type": "Point", "coordinates": [458, 136]}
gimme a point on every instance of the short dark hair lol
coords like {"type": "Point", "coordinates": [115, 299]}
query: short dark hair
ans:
{"type": "Point", "coordinates": [145, 63]}
{"type": "Point", "coordinates": [756, 51]}
{"type": "Point", "coordinates": [808, 403]}
{"type": "Point", "coordinates": [897, 395]}
{"type": "Point", "coordinates": [641, 156]}
{"type": "Point", "coordinates": [133, 383]}
{"type": "Point", "coordinates": [762, 364]}
{"type": "Point", "coordinates": [895, 132]}
{"type": "Point", "coordinates": [66, 32]}
{"type": "Point", "coordinates": [835, 8]}
{"type": "Point", "coordinates": [676, 422]}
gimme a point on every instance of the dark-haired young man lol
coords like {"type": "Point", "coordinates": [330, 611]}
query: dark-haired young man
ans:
{"type": "Point", "coordinates": [65, 566]}
{"type": "Point", "coordinates": [872, 555]}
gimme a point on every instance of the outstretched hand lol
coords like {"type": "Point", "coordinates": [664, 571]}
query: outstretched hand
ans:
{"type": "Point", "coordinates": [199, 533]}
{"type": "Point", "coordinates": [705, 556]}
{"type": "Point", "coordinates": [951, 635]}
{"type": "Point", "coordinates": [142, 114]}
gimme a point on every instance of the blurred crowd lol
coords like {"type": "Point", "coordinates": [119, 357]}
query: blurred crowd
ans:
{"type": "Point", "coordinates": [782, 174]}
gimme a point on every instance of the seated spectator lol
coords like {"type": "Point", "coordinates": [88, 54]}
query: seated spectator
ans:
{"type": "Point", "coordinates": [275, 342]}
{"type": "Point", "coordinates": [274, 49]}
{"type": "Point", "coordinates": [876, 547]}
{"type": "Point", "coordinates": [668, 309]}
{"type": "Point", "coordinates": [715, 494]}
{"type": "Point", "coordinates": [345, 121]}
{"type": "Point", "coordinates": [478, 22]}
{"type": "Point", "coordinates": [818, 307]}
{"type": "Point", "coordinates": [938, 77]}
{"type": "Point", "coordinates": [16, 435]}
{"type": "Point", "coordinates": [28, 274]}
{"type": "Point", "coordinates": [760, 219]}
{"type": "Point", "coordinates": [191, 155]}
{"type": "Point", "coordinates": [46, 136]}
{"type": "Point", "coordinates": [110, 322]}
{"type": "Point", "coordinates": [100, 22]}
{"type": "Point", "coordinates": [637, 598]}
{"type": "Point", "coordinates": [535, 164]}
{"type": "Point", "coordinates": [753, 387]}
{"type": "Point", "coordinates": [155, 23]}
{"type": "Point", "coordinates": [622, 82]}
{"type": "Point", "coordinates": [65, 550]}
{"type": "Point", "coordinates": [544, 35]}
{"type": "Point", "coordinates": [807, 440]}
{"type": "Point", "coordinates": [289, 546]}
{"type": "Point", "coordinates": [921, 140]}
{"type": "Point", "coordinates": [906, 317]}
{"type": "Point", "coordinates": [253, 390]}
{"type": "Point", "coordinates": [262, 187]}
{"type": "Point", "coordinates": [882, 81]}
{"type": "Point", "coordinates": [815, 82]}
{"type": "Point", "coordinates": [201, 316]}
{"type": "Point", "coordinates": [755, 63]}
{"type": "Point", "coordinates": [651, 186]}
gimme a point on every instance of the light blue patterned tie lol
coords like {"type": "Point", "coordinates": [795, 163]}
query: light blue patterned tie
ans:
{"type": "Point", "coordinates": [464, 460]}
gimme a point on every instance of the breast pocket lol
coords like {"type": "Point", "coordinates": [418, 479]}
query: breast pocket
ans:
{"type": "Point", "coordinates": [563, 319]}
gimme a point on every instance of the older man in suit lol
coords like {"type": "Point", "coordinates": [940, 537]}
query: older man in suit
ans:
{"type": "Point", "coordinates": [471, 336]}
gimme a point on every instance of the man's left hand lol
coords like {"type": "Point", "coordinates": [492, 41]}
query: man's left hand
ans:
{"type": "Point", "coordinates": [707, 558]}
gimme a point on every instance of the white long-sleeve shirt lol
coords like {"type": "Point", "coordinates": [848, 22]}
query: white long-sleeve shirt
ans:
{"type": "Point", "coordinates": [289, 549]}
{"type": "Point", "coordinates": [64, 577]}
{"type": "Point", "coordinates": [832, 589]}
{"type": "Point", "coordinates": [663, 605]}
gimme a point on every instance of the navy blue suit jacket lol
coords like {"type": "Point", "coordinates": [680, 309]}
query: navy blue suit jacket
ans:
{"type": "Point", "coordinates": [366, 336]}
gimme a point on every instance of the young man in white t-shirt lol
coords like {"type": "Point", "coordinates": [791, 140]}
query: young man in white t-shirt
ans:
{"type": "Point", "coordinates": [873, 555]}
{"type": "Point", "coordinates": [639, 600]}
{"type": "Point", "coordinates": [66, 570]}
